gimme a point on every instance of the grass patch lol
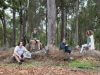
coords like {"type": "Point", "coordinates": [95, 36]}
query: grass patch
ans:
{"type": "Point", "coordinates": [77, 64]}
{"type": "Point", "coordinates": [29, 64]}
{"type": "Point", "coordinates": [81, 64]}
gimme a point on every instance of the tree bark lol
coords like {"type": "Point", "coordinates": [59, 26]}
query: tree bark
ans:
{"type": "Point", "coordinates": [21, 25]}
{"type": "Point", "coordinates": [46, 23]}
{"type": "Point", "coordinates": [31, 16]}
{"type": "Point", "coordinates": [51, 6]}
{"type": "Point", "coordinates": [62, 25]}
{"type": "Point", "coordinates": [77, 8]}
{"type": "Point", "coordinates": [14, 28]}
{"type": "Point", "coordinates": [4, 28]}
{"type": "Point", "coordinates": [57, 29]}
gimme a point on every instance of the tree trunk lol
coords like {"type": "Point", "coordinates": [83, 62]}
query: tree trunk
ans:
{"type": "Point", "coordinates": [14, 28]}
{"type": "Point", "coordinates": [57, 29]}
{"type": "Point", "coordinates": [66, 25]}
{"type": "Point", "coordinates": [51, 6]}
{"type": "Point", "coordinates": [62, 25]}
{"type": "Point", "coordinates": [46, 24]}
{"type": "Point", "coordinates": [21, 25]}
{"type": "Point", "coordinates": [31, 16]}
{"type": "Point", "coordinates": [4, 28]}
{"type": "Point", "coordinates": [77, 9]}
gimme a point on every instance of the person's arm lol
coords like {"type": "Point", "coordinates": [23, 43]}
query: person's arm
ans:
{"type": "Point", "coordinates": [62, 46]}
{"type": "Point", "coordinates": [26, 54]}
{"type": "Point", "coordinates": [25, 49]}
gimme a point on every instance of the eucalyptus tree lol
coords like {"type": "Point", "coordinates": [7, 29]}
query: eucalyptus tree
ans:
{"type": "Point", "coordinates": [3, 7]}
{"type": "Point", "coordinates": [19, 8]}
{"type": "Point", "coordinates": [36, 14]}
{"type": "Point", "coordinates": [13, 6]}
{"type": "Point", "coordinates": [65, 8]}
{"type": "Point", "coordinates": [51, 14]}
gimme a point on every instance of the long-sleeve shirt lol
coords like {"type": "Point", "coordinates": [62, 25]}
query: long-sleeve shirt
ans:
{"type": "Point", "coordinates": [90, 42]}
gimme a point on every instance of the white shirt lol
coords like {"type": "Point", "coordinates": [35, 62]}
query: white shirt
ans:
{"type": "Point", "coordinates": [92, 46]}
{"type": "Point", "coordinates": [20, 50]}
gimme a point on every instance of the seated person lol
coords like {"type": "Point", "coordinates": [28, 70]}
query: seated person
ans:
{"type": "Point", "coordinates": [65, 47]}
{"type": "Point", "coordinates": [19, 53]}
{"type": "Point", "coordinates": [90, 42]}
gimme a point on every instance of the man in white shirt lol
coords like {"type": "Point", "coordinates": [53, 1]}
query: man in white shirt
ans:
{"type": "Point", "coordinates": [19, 52]}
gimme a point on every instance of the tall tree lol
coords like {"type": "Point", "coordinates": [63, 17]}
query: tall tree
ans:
{"type": "Point", "coordinates": [14, 27]}
{"type": "Point", "coordinates": [3, 19]}
{"type": "Point", "coordinates": [62, 21]}
{"type": "Point", "coordinates": [77, 10]}
{"type": "Point", "coordinates": [22, 16]}
{"type": "Point", "coordinates": [51, 6]}
{"type": "Point", "coordinates": [3, 6]}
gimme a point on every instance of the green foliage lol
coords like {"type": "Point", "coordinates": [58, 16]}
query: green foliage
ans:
{"type": "Point", "coordinates": [97, 34]}
{"type": "Point", "coordinates": [97, 38]}
{"type": "Point", "coordinates": [42, 37]}
{"type": "Point", "coordinates": [88, 18]}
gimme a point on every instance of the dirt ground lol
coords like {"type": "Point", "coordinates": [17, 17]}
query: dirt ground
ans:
{"type": "Point", "coordinates": [43, 71]}
{"type": "Point", "coordinates": [40, 70]}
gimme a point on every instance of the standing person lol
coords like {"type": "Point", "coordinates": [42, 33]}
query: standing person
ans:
{"type": "Point", "coordinates": [19, 53]}
{"type": "Point", "coordinates": [90, 41]}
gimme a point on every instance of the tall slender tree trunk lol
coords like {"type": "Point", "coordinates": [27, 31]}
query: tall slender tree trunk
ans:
{"type": "Point", "coordinates": [4, 28]}
{"type": "Point", "coordinates": [14, 28]}
{"type": "Point", "coordinates": [31, 16]}
{"type": "Point", "coordinates": [66, 25]}
{"type": "Point", "coordinates": [57, 29]}
{"type": "Point", "coordinates": [51, 6]}
{"type": "Point", "coordinates": [21, 24]}
{"type": "Point", "coordinates": [62, 25]}
{"type": "Point", "coordinates": [24, 23]}
{"type": "Point", "coordinates": [46, 23]}
{"type": "Point", "coordinates": [62, 22]}
{"type": "Point", "coordinates": [77, 9]}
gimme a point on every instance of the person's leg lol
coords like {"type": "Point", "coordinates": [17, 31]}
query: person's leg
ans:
{"type": "Point", "coordinates": [38, 43]}
{"type": "Point", "coordinates": [17, 58]}
{"type": "Point", "coordinates": [68, 53]}
{"type": "Point", "coordinates": [82, 48]}
{"type": "Point", "coordinates": [22, 58]}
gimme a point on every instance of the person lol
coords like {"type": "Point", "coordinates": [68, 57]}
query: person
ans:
{"type": "Point", "coordinates": [90, 42]}
{"type": "Point", "coordinates": [35, 33]}
{"type": "Point", "coordinates": [20, 53]}
{"type": "Point", "coordinates": [65, 47]}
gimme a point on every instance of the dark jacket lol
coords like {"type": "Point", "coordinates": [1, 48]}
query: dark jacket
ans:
{"type": "Point", "coordinates": [65, 47]}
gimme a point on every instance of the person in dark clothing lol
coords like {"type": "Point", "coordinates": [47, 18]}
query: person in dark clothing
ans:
{"type": "Point", "coordinates": [66, 48]}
